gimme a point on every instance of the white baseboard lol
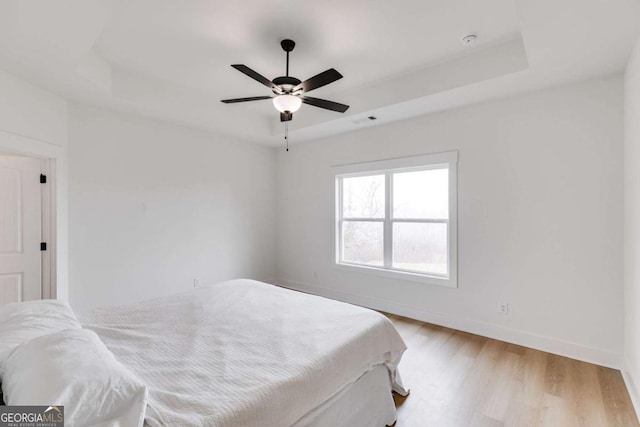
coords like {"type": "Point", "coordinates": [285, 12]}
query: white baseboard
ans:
{"type": "Point", "coordinates": [631, 386]}
{"type": "Point", "coordinates": [539, 342]}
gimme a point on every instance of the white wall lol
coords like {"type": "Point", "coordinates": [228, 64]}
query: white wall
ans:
{"type": "Point", "coordinates": [153, 205]}
{"type": "Point", "coordinates": [632, 226]}
{"type": "Point", "coordinates": [32, 112]}
{"type": "Point", "coordinates": [540, 214]}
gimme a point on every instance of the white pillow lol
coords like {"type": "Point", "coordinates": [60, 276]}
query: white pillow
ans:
{"type": "Point", "coordinates": [22, 321]}
{"type": "Point", "coordinates": [75, 369]}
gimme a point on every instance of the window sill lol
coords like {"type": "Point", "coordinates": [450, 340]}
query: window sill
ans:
{"type": "Point", "coordinates": [400, 275]}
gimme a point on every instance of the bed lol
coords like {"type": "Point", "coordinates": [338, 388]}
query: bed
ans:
{"type": "Point", "coordinates": [246, 353]}
{"type": "Point", "coordinates": [238, 353]}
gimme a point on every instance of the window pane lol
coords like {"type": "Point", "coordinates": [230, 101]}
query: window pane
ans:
{"type": "Point", "coordinates": [422, 194]}
{"type": "Point", "coordinates": [363, 197]}
{"type": "Point", "coordinates": [362, 242]}
{"type": "Point", "coordinates": [420, 247]}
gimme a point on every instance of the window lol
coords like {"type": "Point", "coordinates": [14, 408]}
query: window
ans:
{"type": "Point", "coordinates": [397, 218]}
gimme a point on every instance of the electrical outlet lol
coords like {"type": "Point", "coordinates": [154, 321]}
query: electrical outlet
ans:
{"type": "Point", "coordinates": [196, 282]}
{"type": "Point", "coordinates": [504, 309]}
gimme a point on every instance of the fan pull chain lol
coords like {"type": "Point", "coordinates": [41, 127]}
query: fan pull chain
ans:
{"type": "Point", "coordinates": [286, 134]}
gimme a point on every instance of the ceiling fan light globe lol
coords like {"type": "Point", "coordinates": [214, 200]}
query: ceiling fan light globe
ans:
{"type": "Point", "coordinates": [287, 103]}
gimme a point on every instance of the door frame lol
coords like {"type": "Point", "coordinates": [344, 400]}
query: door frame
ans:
{"type": "Point", "coordinates": [56, 283]}
{"type": "Point", "coordinates": [47, 228]}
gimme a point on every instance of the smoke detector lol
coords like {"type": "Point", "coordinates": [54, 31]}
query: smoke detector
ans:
{"type": "Point", "coordinates": [469, 38]}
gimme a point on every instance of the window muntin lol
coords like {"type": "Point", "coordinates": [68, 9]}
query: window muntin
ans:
{"type": "Point", "coordinates": [399, 220]}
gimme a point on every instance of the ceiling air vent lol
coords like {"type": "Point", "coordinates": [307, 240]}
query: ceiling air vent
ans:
{"type": "Point", "coordinates": [364, 120]}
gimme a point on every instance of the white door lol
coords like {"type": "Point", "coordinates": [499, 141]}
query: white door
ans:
{"type": "Point", "coordinates": [20, 225]}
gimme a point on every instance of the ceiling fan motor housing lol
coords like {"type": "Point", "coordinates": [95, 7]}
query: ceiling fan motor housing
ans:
{"type": "Point", "coordinates": [286, 83]}
{"type": "Point", "coordinates": [287, 45]}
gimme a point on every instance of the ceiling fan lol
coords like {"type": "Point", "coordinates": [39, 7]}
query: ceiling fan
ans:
{"type": "Point", "coordinates": [290, 92]}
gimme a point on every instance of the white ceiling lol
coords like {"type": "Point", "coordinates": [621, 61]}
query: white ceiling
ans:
{"type": "Point", "coordinates": [170, 59]}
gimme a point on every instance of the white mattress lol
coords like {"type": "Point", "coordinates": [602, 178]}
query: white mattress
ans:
{"type": "Point", "coordinates": [245, 353]}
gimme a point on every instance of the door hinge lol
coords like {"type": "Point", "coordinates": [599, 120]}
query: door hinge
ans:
{"type": "Point", "coordinates": [43, 178]}
{"type": "Point", "coordinates": [43, 246]}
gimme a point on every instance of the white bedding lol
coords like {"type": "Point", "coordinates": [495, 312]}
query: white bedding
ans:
{"type": "Point", "coordinates": [73, 368]}
{"type": "Point", "coordinates": [366, 403]}
{"type": "Point", "coordinates": [245, 353]}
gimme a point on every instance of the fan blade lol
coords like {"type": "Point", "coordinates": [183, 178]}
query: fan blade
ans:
{"type": "Point", "coordinates": [323, 103]}
{"type": "Point", "coordinates": [253, 98]}
{"type": "Point", "coordinates": [319, 80]}
{"type": "Point", "coordinates": [285, 117]}
{"type": "Point", "coordinates": [255, 76]}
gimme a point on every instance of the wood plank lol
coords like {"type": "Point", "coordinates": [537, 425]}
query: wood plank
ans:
{"type": "Point", "coordinates": [617, 403]}
{"type": "Point", "coordinates": [555, 376]}
{"type": "Point", "coordinates": [587, 400]}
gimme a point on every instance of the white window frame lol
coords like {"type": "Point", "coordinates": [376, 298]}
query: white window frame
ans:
{"type": "Point", "coordinates": [388, 168]}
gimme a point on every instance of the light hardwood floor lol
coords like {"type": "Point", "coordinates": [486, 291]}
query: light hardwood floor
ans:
{"type": "Point", "coordinates": [459, 379]}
